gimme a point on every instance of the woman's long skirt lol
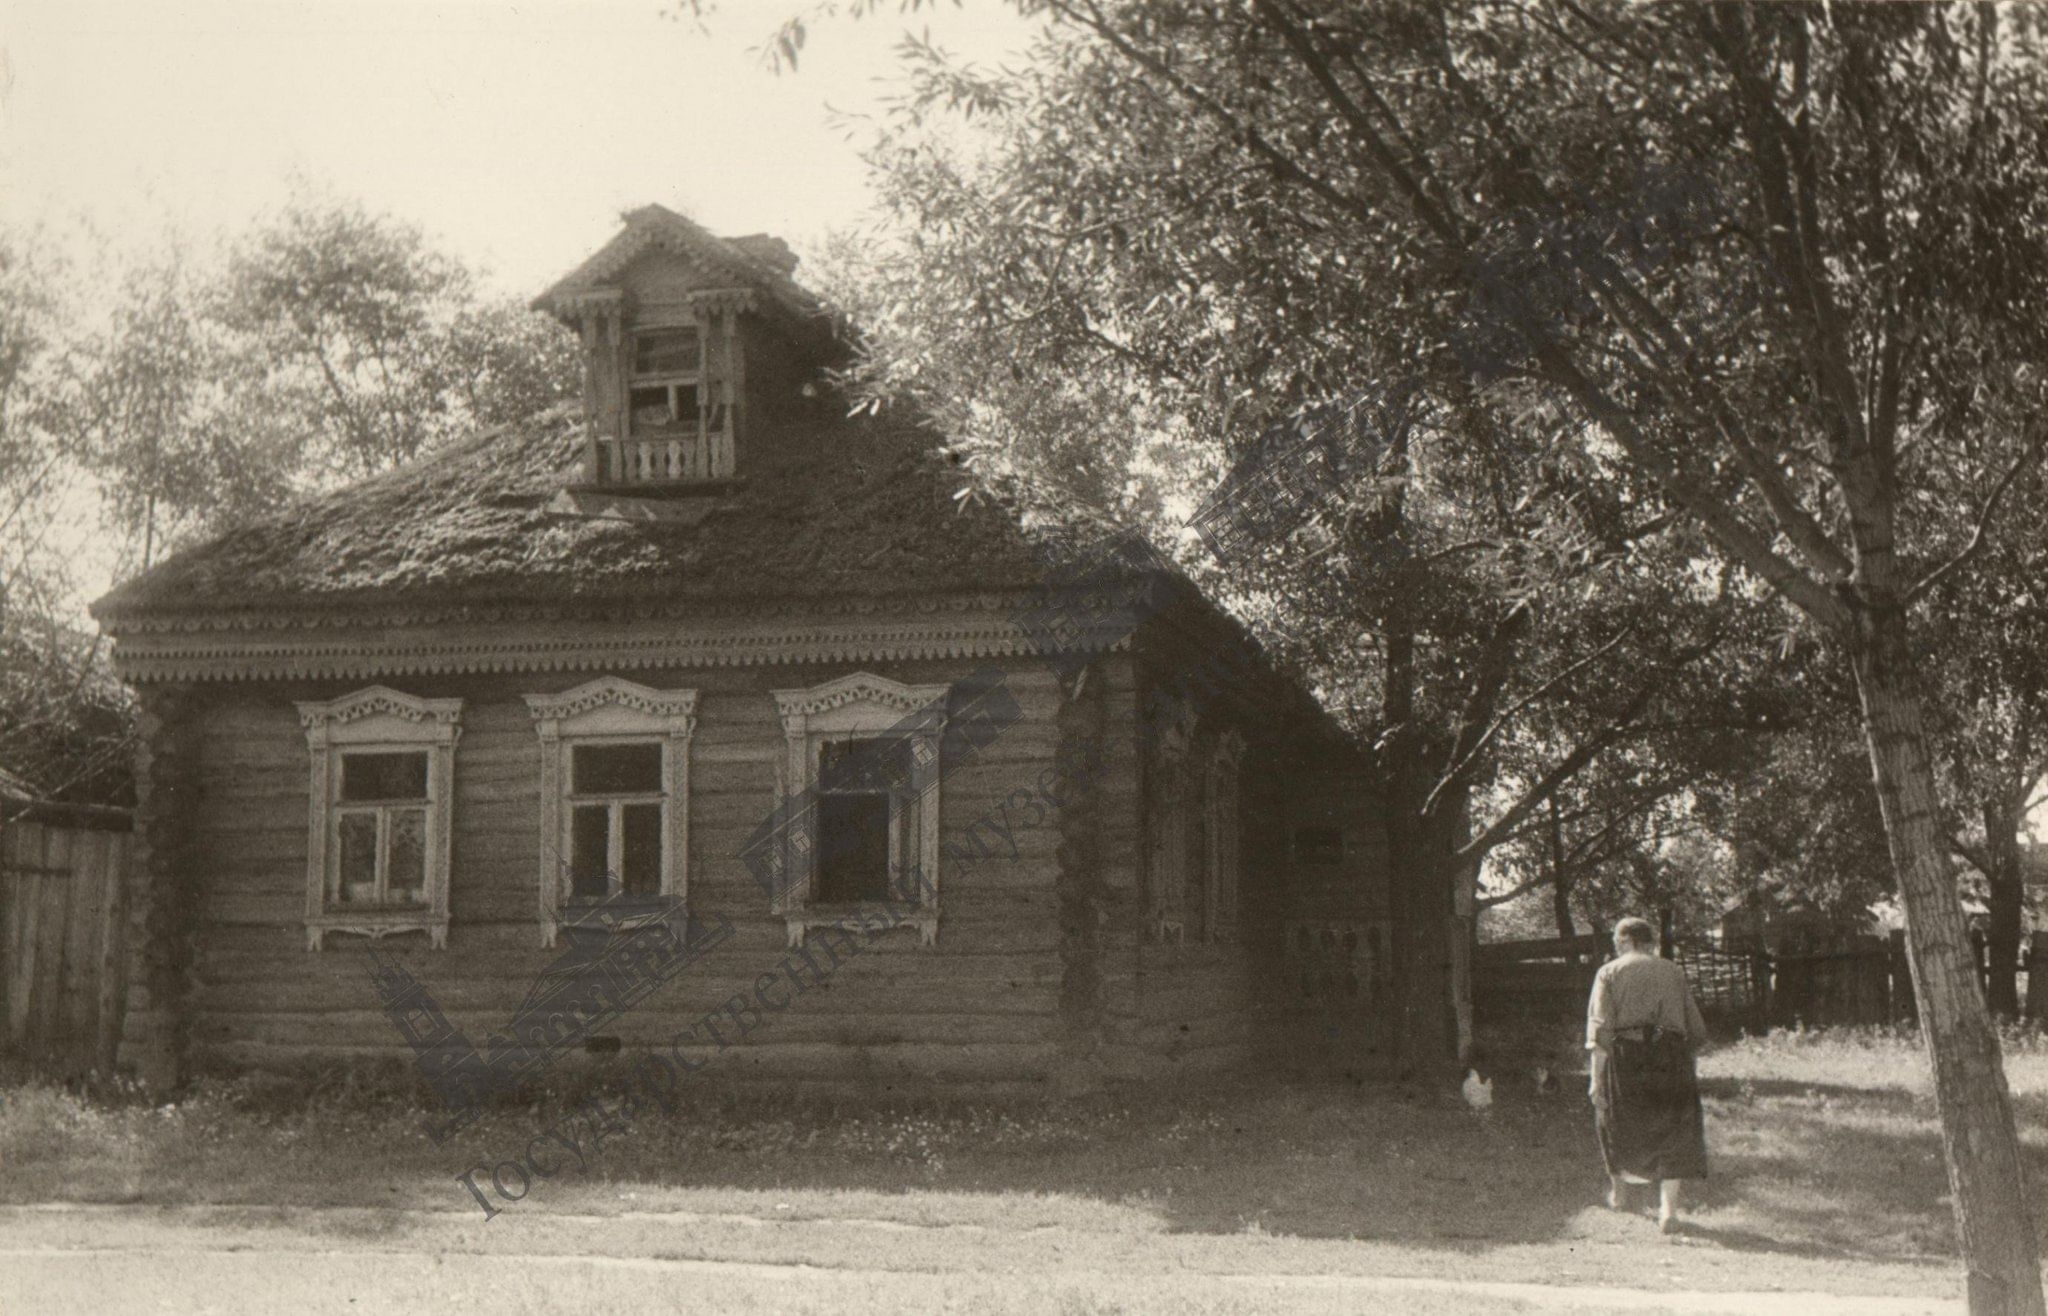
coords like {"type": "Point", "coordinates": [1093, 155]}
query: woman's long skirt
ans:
{"type": "Point", "coordinates": [1646, 1107]}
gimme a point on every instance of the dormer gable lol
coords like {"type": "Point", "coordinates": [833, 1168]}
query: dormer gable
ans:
{"type": "Point", "coordinates": [674, 321]}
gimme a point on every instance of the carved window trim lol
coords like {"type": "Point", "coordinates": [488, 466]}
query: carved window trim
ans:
{"type": "Point", "coordinates": [611, 710]}
{"type": "Point", "coordinates": [378, 719]}
{"type": "Point", "coordinates": [856, 707]}
{"type": "Point", "coordinates": [1223, 866]}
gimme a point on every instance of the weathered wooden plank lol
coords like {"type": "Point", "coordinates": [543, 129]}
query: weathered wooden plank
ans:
{"type": "Point", "coordinates": [81, 963]}
{"type": "Point", "coordinates": [46, 1024]}
{"type": "Point", "coordinates": [112, 953]}
{"type": "Point", "coordinates": [799, 1024]}
{"type": "Point", "coordinates": [858, 988]}
{"type": "Point", "coordinates": [872, 1066]}
{"type": "Point", "coordinates": [24, 877]}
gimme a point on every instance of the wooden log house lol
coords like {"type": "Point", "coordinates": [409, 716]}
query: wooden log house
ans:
{"type": "Point", "coordinates": [447, 710]}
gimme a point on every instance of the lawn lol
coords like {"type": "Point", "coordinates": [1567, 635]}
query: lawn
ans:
{"type": "Point", "coordinates": [1826, 1175]}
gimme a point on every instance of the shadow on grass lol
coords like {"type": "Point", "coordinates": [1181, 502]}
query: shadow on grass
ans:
{"type": "Point", "coordinates": [1798, 1169]}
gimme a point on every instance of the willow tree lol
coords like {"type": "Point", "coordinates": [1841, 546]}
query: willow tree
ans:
{"type": "Point", "coordinates": [1496, 616]}
{"type": "Point", "coordinates": [1831, 366]}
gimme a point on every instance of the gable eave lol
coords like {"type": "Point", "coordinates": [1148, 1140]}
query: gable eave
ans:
{"type": "Point", "coordinates": [654, 227]}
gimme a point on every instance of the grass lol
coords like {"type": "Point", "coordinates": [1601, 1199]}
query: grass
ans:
{"type": "Point", "coordinates": [1823, 1145]}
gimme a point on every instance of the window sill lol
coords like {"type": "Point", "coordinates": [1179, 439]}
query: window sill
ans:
{"type": "Point", "coordinates": [378, 924]}
{"type": "Point", "coordinates": [615, 917]}
{"type": "Point", "coordinates": [801, 922]}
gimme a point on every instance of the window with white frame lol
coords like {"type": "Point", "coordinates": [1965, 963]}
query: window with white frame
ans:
{"type": "Point", "coordinates": [615, 797]}
{"type": "Point", "coordinates": [1223, 864]}
{"type": "Point", "coordinates": [383, 779]}
{"type": "Point", "coordinates": [861, 770]}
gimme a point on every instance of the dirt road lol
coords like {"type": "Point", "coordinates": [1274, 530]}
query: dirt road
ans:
{"type": "Point", "coordinates": [267, 1259]}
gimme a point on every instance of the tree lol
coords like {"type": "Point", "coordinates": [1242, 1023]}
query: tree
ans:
{"type": "Point", "coordinates": [215, 387]}
{"type": "Point", "coordinates": [330, 343]}
{"type": "Point", "coordinates": [1486, 610]}
{"type": "Point", "coordinates": [377, 344]}
{"type": "Point", "coordinates": [1830, 368]}
{"type": "Point", "coordinates": [63, 720]}
{"type": "Point", "coordinates": [1991, 708]}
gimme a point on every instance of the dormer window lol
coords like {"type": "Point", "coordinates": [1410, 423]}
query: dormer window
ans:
{"type": "Point", "coordinates": [667, 373]}
{"type": "Point", "coordinates": [676, 427]}
{"type": "Point", "coordinates": [668, 315]}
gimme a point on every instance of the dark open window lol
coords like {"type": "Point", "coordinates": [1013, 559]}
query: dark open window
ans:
{"type": "Point", "coordinates": [615, 820]}
{"type": "Point", "coordinates": [855, 778]}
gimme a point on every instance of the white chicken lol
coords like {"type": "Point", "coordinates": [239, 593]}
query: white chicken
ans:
{"type": "Point", "coordinates": [1478, 1091]}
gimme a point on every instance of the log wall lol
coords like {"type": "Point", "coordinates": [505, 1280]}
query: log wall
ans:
{"type": "Point", "coordinates": [978, 1008]}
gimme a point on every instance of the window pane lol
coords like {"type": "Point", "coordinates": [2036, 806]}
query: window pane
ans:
{"type": "Point", "coordinates": [617, 769]}
{"type": "Point", "coordinates": [853, 848]}
{"type": "Point", "coordinates": [589, 828]}
{"type": "Point", "coordinates": [358, 859]}
{"type": "Point", "coordinates": [650, 408]}
{"type": "Point", "coordinates": [642, 843]}
{"type": "Point", "coordinates": [405, 877]}
{"type": "Point", "coordinates": [383, 777]}
{"type": "Point", "coordinates": [665, 352]}
{"type": "Point", "coordinates": [877, 764]}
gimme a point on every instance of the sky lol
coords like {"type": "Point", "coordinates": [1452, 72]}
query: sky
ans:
{"type": "Point", "coordinates": [513, 131]}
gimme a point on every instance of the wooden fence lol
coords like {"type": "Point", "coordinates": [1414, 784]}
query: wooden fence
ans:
{"type": "Point", "coordinates": [1860, 980]}
{"type": "Point", "coordinates": [63, 950]}
{"type": "Point", "coordinates": [1535, 982]}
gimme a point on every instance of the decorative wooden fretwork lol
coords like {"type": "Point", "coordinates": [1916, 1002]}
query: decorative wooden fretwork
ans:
{"type": "Point", "coordinates": [611, 711]}
{"type": "Point", "coordinates": [386, 733]}
{"type": "Point", "coordinates": [857, 707]}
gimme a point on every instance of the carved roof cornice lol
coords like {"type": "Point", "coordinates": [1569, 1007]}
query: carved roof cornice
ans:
{"type": "Point", "coordinates": [381, 616]}
{"type": "Point", "coordinates": [566, 646]}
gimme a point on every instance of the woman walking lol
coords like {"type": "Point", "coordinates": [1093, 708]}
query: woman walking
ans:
{"type": "Point", "coordinates": [1643, 1028]}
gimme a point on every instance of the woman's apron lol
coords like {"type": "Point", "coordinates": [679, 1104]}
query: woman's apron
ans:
{"type": "Point", "coordinates": [1646, 1107]}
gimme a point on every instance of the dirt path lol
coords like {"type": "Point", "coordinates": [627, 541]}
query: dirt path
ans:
{"type": "Point", "coordinates": [262, 1259]}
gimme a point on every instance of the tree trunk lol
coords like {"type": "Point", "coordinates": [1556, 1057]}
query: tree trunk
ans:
{"type": "Point", "coordinates": [1426, 930]}
{"type": "Point", "coordinates": [1560, 885]}
{"type": "Point", "coordinates": [1561, 910]}
{"type": "Point", "coordinates": [1981, 1146]}
{"type": "Point", "coordinates": [2007, 897]}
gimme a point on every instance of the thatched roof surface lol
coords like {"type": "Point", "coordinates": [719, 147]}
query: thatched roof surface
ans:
{"type": "Point", "coordinates": [830, 506]}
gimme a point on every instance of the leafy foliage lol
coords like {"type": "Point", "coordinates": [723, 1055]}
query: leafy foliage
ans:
{"type": "Point", "coordinates": [328, 344]}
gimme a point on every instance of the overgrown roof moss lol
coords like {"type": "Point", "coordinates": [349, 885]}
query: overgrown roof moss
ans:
{"type": "Point", "coordinates": [829, 505]}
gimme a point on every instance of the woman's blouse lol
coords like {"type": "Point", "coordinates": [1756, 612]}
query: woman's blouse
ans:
{"type": "Point", "coordinates": [1635, 990]}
